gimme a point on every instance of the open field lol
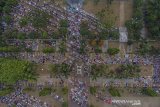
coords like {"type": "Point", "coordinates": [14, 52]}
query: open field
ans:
{"type": "Point", "coordinates": [145, 101]}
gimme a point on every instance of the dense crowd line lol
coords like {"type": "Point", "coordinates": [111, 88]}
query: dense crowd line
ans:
{"type": "Point", "coordinates": [79, 92]}
{"type": "Point", "coordinates": [58, 13]}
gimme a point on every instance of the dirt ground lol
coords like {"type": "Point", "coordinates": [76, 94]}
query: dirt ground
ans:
{"type": "Point", "coordinates": [144, 102]}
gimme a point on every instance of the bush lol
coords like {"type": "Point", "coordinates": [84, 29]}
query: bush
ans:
{"type": "Point", "coordinates": [64, 104]}
{"type": "Point", "coordinates": [23, 22]}
{"type": "Point", "coordinates": [64, 23]}
{"type": "Point", "coordinates": [152, 18]}
{"type": "Point", "coordinates": [48, 50]}
{"type": "Point", "coordinates": [28, 89]}
{"type": "Point", "coordinates": [114, 92]}
{"type": "Point", "coordinates": [93, 90]}
{"type": "Point", "coordinates": [7, 9]}
{"type": "Point", "coordinates": [39, 19]}
{"type": "Point", "coordinates": [7, 19]}
{"type": "Point", "coordinates": [98, 49]}
{"type": "Point", "coordinates": [45, 92]}
{"type": "Point", "coordinates": [21, 35]}
{"type": "Point", "coordinates": [128, 71]}
{"type": "Point", "coordinates": [9, 49]}
{"type": "Point", "coordinates": [62, 47]}
{"type": "Point", "coordinates": [130, 42]}
{"type": "Point", "coordinates": [65, 90]}
{"type": "Point", "coordinates": [113, 51]}
{"type": "Point", "coordinates": [149, 92]}
{"type": "Point", "coordinates": [135, 25]}
{"type": "Point", "coordinates": [6, 91]}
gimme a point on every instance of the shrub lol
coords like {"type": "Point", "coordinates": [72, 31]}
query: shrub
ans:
{"type": "Point", "coordinates": [45, 92]}
{"type": "Point", "coordinates": [113, 51]}
{"type": "Point", "coordinates": [114, 92]}
{"type": "Point", "coordinates": [48, 50]}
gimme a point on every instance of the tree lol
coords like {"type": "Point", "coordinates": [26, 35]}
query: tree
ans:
{"type": "Point", "coordinates": [98, 71]}
{"type": "Point", "coordinates": [33, 35]}
{"type": "Point", "coordinates": [130, 42]}
{"type": "Point", "coordinates": [39, 19]}
{"type": "Point", "coordinates": [109, 2]}
{"type": "Point", "coordinates": [5, 91]}
{"type": "Point", "coordinates": [82, 47]}
{"type": "Point", "coordinates": [11, 2]}
{"type": "Point", "coordinates": [60, 70]}
{"type": "Point", "coordinates": [21, 35]}
{"type": "Point", "coordinates": [55, 35]}
{"type": "Point", "coordinates": [64, 104]}
{"type": "Point", "coordinates": [63, 32]}
{"type": "Point", "coordinates": [9, 49]}
{"type": "Point", "coordinates": [152, 18]}
{"type": "Point", "coordinates": [7, 9]}
{"type": "Point", "coordinates": [84, 29]}
{"type": "Point", "coordinates": [97, 49]}
{"type": "Point", "coordinates": [101, 14]}
{"type": "Point", "coordinates": [144, 48]}
{"type": "Point", "coordinates": [48, 50]}
{"type": "Point", "coordinates": [96, 2]}
{"type": "Point", "coordinates": [93, 90]}
{"type": "Point", "coordinates": [62, 47]}
{"type": "Point", "coordinates": [135, 25]}
{"type": "Point", "coordinates": [91, 105]}
{"type": "Point", "coordinates": [23, 22]}
{"type": "Point", "coordinates": [149, 91]}
{"type": "Point", "coordinates": [113, 51]}
{"type": "Point", "coordinates": [44, 34]}
{"type": "Point", "coordinates": [7, 19]}
{"type": "Point", "coordinates": [127, 71]}
{"type": "Point", "coordinates": [45, 92]}
{"type": "Point", "coordinates": [65, 90]}
{"type": "Point", "coordinates": [114, 92]}
{"type": "Point", "coordinates": [64, 23]}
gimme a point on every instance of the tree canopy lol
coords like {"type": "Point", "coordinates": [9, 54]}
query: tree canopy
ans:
{"type": "Point", "coordinates": [152, 16]}
{"type": "Point", "coordinates": [84, 29]}
{"type": "Point", "coordinates": [98, 71]}
{"type": "Point", "coordinates": [127, 71]}
{"type": "Point", "coordinates": [113, 51]}
{"type": "Point", "coordinates": [149, 92]}
{"type": "Point", "coordinates": [38, 18]}
{"type": "Point", "coordinates": [60, 69]}
{"type": "Point", "coordinates": [114, 92]}
{"type": "Point", "coordinates": [134, 26]}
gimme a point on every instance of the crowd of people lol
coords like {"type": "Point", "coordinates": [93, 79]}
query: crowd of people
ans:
{"type": "Point", "coordinates": [74, 21]}
{"type": "Point", "coordinates": [136, 59]}
{"type": "Point", "coordinates": [25, 7]}
{"type": "Point", "coordinates": [20, 99]}
{"type": "Point", "coordinates": [79, 92]}
{"type": "Point", "coordinates": [156, 65]}
{"type": "Point", "coordinates": [57, 12]}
